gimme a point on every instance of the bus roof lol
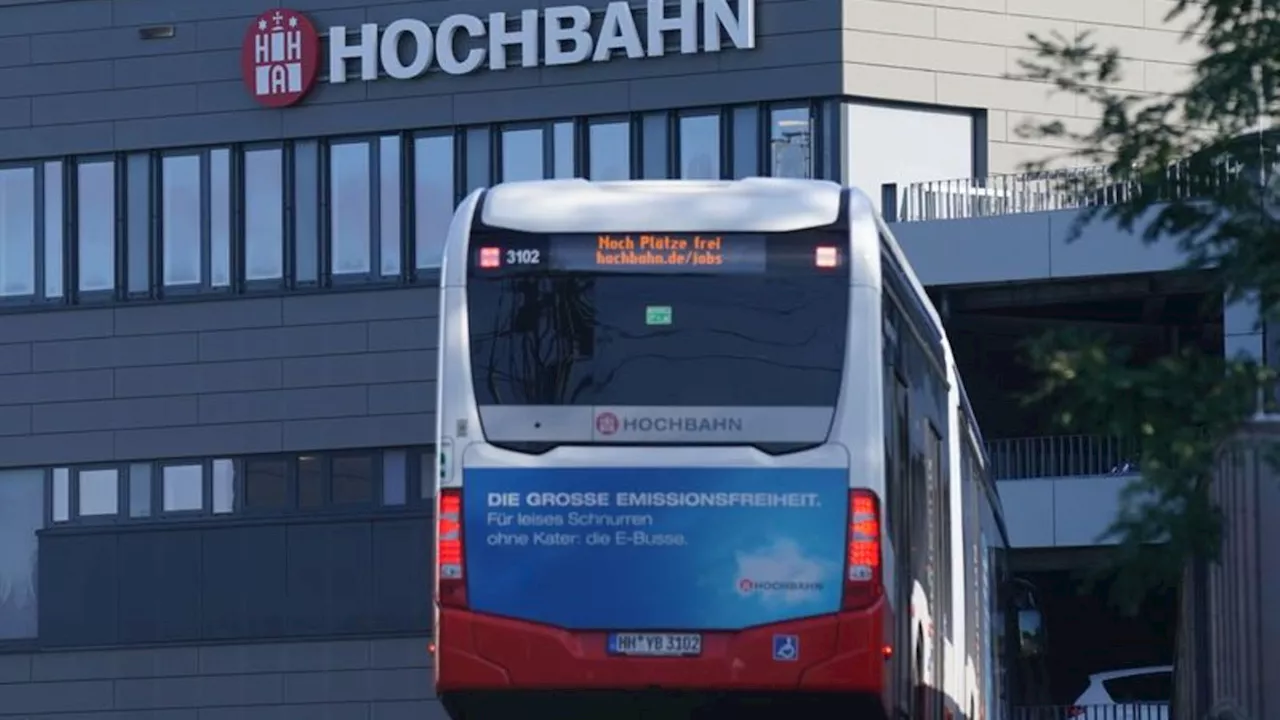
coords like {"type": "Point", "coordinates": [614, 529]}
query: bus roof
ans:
{"type": "Point", "coordinates": [749, 205]}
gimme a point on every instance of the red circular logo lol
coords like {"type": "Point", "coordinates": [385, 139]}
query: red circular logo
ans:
{"type": "Point", "coordinates": [745, 585]}
{"type": "Point", "coordinates": [280, 57]}
{"type": "Point", "coordinates": [606, 423]}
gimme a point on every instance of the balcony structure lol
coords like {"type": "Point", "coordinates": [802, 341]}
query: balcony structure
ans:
{"type": "Point", "coordinates": [1022, 228]}
{"type": "Point", "coordinates": [1016, 227]}
{"type": "Point", "coordinates": [1010, 231]}
{"type": "Point", "coordinates": [1061, 491]}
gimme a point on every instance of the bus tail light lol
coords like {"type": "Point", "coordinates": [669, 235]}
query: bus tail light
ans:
{"type": "Point", "coordinates": [451, 585]}
{"type": "Point", "coordinates": [863, 581]}
{"type": "Point", "coordinates": [826, 257]}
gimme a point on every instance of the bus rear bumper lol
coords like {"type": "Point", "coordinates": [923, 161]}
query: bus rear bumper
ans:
{"type": "Point", "coordinates": [837, 653]}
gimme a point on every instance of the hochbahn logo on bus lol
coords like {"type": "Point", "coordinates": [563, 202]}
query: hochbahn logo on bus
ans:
{"type": "Point", "coordinates": [608, 423]}
{"type": "Point", "coordinates": [747, 585]}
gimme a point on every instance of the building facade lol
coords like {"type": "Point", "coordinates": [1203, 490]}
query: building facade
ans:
{"type": "Point", "coordinates": [220, 228]}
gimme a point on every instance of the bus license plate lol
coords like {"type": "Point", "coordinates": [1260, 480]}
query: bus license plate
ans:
{"type": "Point", "coordinates": [655, 644]}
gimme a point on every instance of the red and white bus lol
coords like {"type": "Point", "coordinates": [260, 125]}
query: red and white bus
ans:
{"type": "Point", "coordinates": [703, 449]}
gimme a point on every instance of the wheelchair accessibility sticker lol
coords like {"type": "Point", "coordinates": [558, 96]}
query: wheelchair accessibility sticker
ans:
{"type": "Point", "coordinates": [786, 648]}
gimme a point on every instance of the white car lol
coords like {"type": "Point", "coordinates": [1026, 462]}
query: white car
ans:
{"type": "Point", "coordinates": [1132, 694]}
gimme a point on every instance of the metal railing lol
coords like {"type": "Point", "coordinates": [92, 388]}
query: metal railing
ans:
{"type": "Point", "coordinates": [1120, 711]}
{"type": "Point", "coordinates": [1013, 193]}
{"type": "Point", "coordinates": [1061, 456]}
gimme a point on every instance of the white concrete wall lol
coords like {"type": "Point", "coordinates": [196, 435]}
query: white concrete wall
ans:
{"type": "Point", "coordinates": [961, 53]}
{"type": "Point", "coordinates": [1027, 246]}
{"type": "Point", "coordinates": [1061, 512]}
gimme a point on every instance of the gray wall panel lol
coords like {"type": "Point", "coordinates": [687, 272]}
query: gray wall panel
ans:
{"type": "Point", "coordinates": [358, 679]}
{"type": "Point", "coordinates": [16, 419]}
{"type": "Point", "coordinates": [226, 377]}
{"type": "Point", "coordinates": [82, 63]}
{"type": "Point", "coordinates": [70, 77]}
{"type": "Point", "coordinates": [15, 51]}
{"type": "Point", "coordinates": [53, 17]}
{"type": "Point", "coordinates": [15, 358]}
{"type": "Point", "coordinates": [63, 447]}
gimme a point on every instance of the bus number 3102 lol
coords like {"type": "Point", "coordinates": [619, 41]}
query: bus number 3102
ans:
{"type": "Point", "coordinates": [524, 257]}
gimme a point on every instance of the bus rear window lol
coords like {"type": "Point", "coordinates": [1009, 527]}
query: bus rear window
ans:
{"type": "Point", "coordinates": [762, 322]}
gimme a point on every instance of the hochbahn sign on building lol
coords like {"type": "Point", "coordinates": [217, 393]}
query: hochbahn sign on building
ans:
{"type": "Point", "coordinates": [280, 57]}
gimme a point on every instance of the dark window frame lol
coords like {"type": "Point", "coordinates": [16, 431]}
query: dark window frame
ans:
{"type": "Point", "coordinates": [824, 113]}
{"type": "Point", "coordinates": [240, 221]}
{"type": "Point", "coordinates": [118, 177]}
{"type": "Point", "coordinates": [422, 457]}
{"type": "Point", "coordinates": [632, 148]}
{"type": "Point", "coordinates": [50, 511]}
{"type": "Point", "coordinates": [319, 203]}
{"type": "Point", "coordinates": [150, 285]}
{"type": "Point", "coordinates": [37, 294]}
{"type": "Point", "coordinates": [327, 243]}
{"type": "Point", "coordinates": [205, 239]}
{"type": "Point", "coordinates": [429, 273]}
{"type": "Point", "coordinates": [153, 492]}
{"type": "Point", "coordinates": [400, 203]}
{"type": "Point", "coordinates": [157, 490]}
{"type": "Point", "coordinates": [724, 138]}
{"type": "Point", "coordinates": [549, 161]}
{"type": "Point", "coordinates": [291, 504]}
{"type": "Point", "coordinates": [546, 140]}
{"type": "Point", "coordinates": [666, 119]}
{"type": "Point", "coordinates": [67, 292]}
{"type": "Point", "coordinates": [75, 515]}
{"type": "Point", "coordinates": [374, 456]}
{"type": "Point", "coordinates": [766, 134]}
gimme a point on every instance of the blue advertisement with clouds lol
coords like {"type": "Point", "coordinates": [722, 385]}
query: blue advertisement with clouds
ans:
{"type": "Point", "coordinates": [655, 548]}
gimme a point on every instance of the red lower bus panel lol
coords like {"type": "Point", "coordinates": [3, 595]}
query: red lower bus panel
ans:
{"type": "Point", "coordinates": [838, 653]}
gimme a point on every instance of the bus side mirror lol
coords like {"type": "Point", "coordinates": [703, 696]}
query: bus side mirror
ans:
{"type": "Point", "coordinates": [1031, 634]}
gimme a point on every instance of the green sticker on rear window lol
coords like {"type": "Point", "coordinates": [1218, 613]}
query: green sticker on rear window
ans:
{"type": "Point", "coordinates": [657, 315]}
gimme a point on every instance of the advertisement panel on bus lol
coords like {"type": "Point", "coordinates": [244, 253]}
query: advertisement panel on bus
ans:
{"type": "Point", "coordinates": [655, 548]}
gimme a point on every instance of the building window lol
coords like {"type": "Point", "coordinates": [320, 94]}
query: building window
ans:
{"type": "Point", "coordinates": [306, 212]}
{"type": "Point", "coordinates": [96, 225]}
{"type": "Point", "coordinates": [181, 220]}
{"type": "Point", "coordinates": [17, 232]}
{"type": "Point", "coordinates": [140, 490]}
{"type": "Point", "coordinates": [746, 142]}
{"type": "Point", "coordinates": [434, 192]}
{"type": "Point", "coordinates": [21, 516]}
{"type": "Point", "coordinates": [427, 473]}
{"type": "Point", "coordinates": [182, 488]}
{"type": "Point", "coordinates": [61, 495]}
{"type": "Point", "coordinates": [655, 144]}
{"type": "Point", "coordinates": [395, 477]}
{"type": "Point", "coordinates": [266, 484]}
{"type": "Point", "coordinates": [98, 492]}
{"type": "Point", "coordinates": [353, 479]}
{"type": "Point", "coordinates": [137, 215]}
{"type": "Point", "coordinates": [263, 214]}
{"type": "Point", "coordinates": [609, 150]}
{"type": "Point", "coordinates": [220, 217]}
{"type": "Point", "coordinates": [390, 205]}
{"type": "Point", "coordinates": [791, 143]}
{"type": "Point", "coordinates": [522, 154]}
{"type": "Point", "coordinates": [311, 482]}
{"type": "Point", "coordinates": [350, 207]}
{"type": "Point", "coordinates": [700, 147]}
{"type": "Point", "coordinates": [478, 158]}
{"type": "Point", "coordinates": [54, 214]}
{"type": "Point", "coordinates": [224, 486]}
{"type": "Point", "coordinates": [564, 151]}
